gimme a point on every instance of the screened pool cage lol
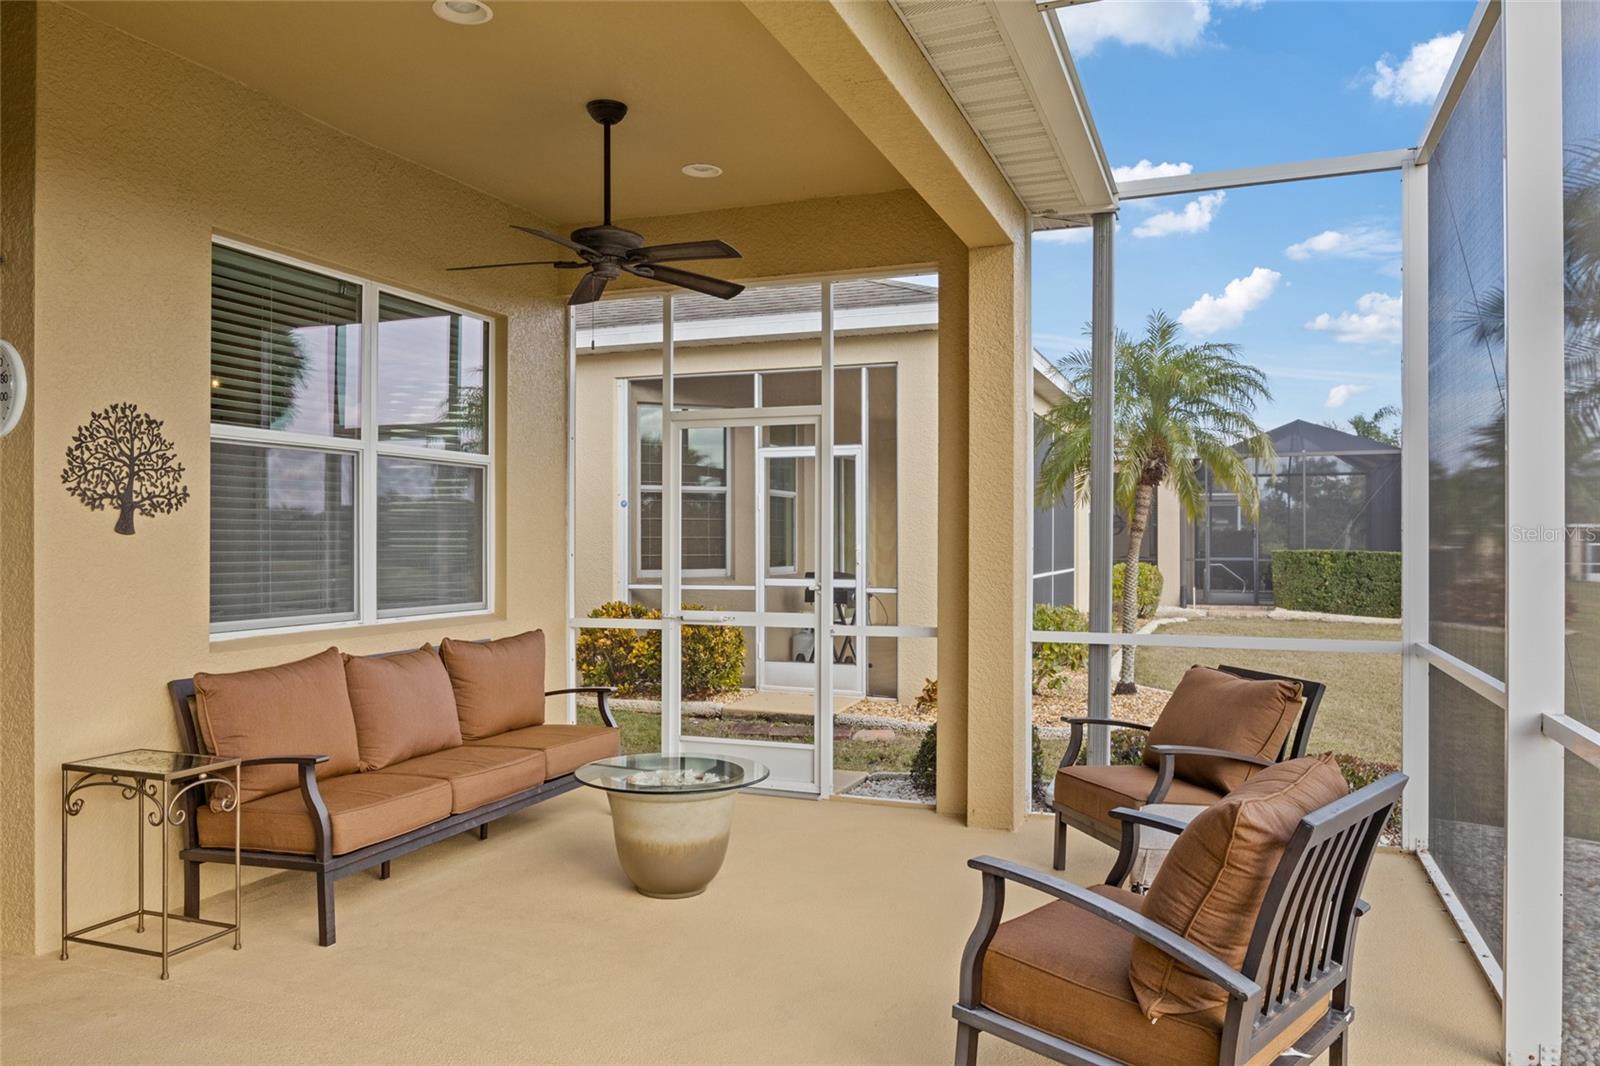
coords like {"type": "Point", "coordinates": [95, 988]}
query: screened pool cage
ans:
{"type": "Point", "coordinates": [1325, 489]}
{"type": "Point", "coordinates": [1495, 483]}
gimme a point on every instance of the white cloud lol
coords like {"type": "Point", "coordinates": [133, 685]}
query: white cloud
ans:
{"type": "Point", "coordinates": [1145, 169]}
{"type": "Point", "coordinates": [1340, 393]}
{"type": "Point", "coordinates": [1358, 242]}
{"type": "Point", "coordinates": [1166, 26]}
{"type": "Point", "coordinates": [1194, 217]}
{"type": "Point", "coordinates": [1376, 320]}
{"type": "Point", "coordinates": [1239, 297]}
{"type": "Point", "coordinates": [1417, 78]}
{"type": "Point", "coordinates": [1252, 4]}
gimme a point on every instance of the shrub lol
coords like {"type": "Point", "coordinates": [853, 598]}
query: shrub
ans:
{"type": "Point", "coordinates": [1052, 662]}
{"type": "Point", "coordinates": [1127, 748]}
{"type": "Point", "coordinates": [1337, 582]}
{"type": "Point", "coordinates": [1359, 773]}
{"type": "Point", "coordinates": [1147, 595]}
{"type": "Point", "coordinates": [925, 763]}
{"type": "Point", "coordinates": [629, 660]}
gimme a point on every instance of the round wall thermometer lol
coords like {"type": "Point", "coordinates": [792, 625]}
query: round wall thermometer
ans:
{"type": "Point", "coordinates": [13, 387]}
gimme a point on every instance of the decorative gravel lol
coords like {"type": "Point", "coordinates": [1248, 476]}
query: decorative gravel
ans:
{"type": "Point", "coordinates": [890, 787]}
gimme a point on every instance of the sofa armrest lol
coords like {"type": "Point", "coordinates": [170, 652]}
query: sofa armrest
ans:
{"type": "Point", "coordinates": [996, 872]}
{"type": "Point", "coordinates": [1075, 741]}
{"type": "Point", "coordinates": [602, 694]}
{"type": "Point", "coordinates": [321, 827]}
{"type": "Point", "coordinates": [1169, 753]}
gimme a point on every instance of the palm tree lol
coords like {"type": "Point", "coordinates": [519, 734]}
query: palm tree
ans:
{"type": "Point", "coordinates": [1175, 403]}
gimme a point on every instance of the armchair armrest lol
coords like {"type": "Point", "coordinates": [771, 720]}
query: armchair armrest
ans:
{"type": "Point", "coordinates": [602, 695]}
{"type": "Point", "coordinates": [297, 760]}
{"type": "Point", "coordinates": [1169, 764]}
{"type": "Point", "coordinates": [1128, 847]}
{"type": "Point", "coordinates": [996, 872]}
{"type": "Point", "coordinates": [1075, 741]}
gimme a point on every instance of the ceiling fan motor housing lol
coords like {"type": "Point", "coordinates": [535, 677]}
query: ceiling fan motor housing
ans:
{"type": "Point", "coordinates": [607, 112]}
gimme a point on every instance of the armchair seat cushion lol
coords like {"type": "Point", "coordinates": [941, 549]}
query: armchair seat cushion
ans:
{"type": "Point", "coordinates": [477, 775]}
{"type": "Point", "coordinates": [1095, 790]}
{"type": "Point", "coordinates": [565, 747]}
{"type": "Point", "coordinates": [1062, 969]}
{"type": "Point", "coordinates": [363, 809]}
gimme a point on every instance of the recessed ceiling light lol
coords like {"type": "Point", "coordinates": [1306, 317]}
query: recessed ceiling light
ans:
{"type": "Point", "coordinates": [702, 170]}
{"type": "Point", "coordinates": [466, 12]}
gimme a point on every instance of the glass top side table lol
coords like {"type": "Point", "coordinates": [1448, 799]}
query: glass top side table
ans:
{"type": "Point", "coordinates": [160, 778]}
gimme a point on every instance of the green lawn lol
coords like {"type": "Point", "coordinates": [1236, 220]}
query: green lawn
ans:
{"type": "Point", "coordinates": [1360, 714]}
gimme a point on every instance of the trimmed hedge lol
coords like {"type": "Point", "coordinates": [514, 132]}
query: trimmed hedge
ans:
{"type": "Point", "coordinates": [1337, 582]}
{"type": "Point", "coordinates": [630, 659]}
{"type": "Point", "coordinates": [1148, 594]}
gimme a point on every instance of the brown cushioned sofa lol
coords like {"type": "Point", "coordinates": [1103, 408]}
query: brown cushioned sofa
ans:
{"type": "Point", "coordinates": [351, 761]}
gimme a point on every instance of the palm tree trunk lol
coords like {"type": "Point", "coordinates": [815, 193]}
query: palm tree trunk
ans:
{"type": "Point", "coordinates": [1130, 584]}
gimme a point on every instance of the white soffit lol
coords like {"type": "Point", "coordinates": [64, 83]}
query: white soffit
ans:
{"type": "Point", "coordinates": [1013, 79]}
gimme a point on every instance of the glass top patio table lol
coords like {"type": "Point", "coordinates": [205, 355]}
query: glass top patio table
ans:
{"type": "Point", "coordinates": [661, 774]}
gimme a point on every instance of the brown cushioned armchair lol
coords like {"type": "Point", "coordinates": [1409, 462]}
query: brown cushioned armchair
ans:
{"type": "Point", "coordinates": [1064, 980]}
{"type": "Point", "coordinates": [1218, 728]}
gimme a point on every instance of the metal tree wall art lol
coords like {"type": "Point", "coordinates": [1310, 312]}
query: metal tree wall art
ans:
{"type": "Point", "coordinates": [121, 459]}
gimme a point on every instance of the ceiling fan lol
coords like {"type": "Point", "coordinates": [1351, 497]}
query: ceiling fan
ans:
{"type": "Point", "coordinates": [609, 251]}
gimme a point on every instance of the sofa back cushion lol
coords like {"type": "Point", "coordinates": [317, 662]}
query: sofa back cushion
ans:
{"type": "Point", "coordinates": [1215, 709]}
{"type": "Point", "coordinates": [299, 708]}
{"type": "Point", "coordinates": [499, 684]}
{"type": "Point", "coordinates": [403, 704]}
{"type": "Point", "coordinates": [1212, 883]}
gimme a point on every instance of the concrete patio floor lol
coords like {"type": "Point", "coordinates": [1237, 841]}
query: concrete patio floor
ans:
{"type": "Point", "coordinates": [832, 935]}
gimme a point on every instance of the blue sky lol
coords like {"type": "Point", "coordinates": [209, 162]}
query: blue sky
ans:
{"type": "Point", "coordinates": [1304, 277]}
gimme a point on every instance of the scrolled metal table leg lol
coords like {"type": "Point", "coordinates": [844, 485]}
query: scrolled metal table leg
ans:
{"type": "Point", "coordinates": [165, 906]}
{"type": "Point", "coordinates": [66, 813]}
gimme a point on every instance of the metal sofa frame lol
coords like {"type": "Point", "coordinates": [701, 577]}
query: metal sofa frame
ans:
{"type": "Point", "coordinates": [327, 866]}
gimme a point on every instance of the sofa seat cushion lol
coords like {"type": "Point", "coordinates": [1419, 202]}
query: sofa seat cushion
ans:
{"type": "Point", "coordinates": [1212, 884]}
{"type": "Point", "coordinates": [565, 747]}
{"type": "Point", "coordinates": [499, 684]}
{"type": "Point", "coordinates": [403, 705]}
{"type": "Point", "coordinates": [478, 775]}
{"type": "Point", "coordinates": [1215, 709]}
{"type": "Point", "coordinates": [299, 708]}
{"type": "Point", "coordinates": [1095, 790]}
{"type": "Point", "coordinates": [1062, 969]}
{"type": "Point", "coordinates": [363, 809]}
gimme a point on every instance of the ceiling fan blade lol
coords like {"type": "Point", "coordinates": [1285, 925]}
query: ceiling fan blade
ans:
{"type": "Point", "coordinates": [672, 253]}
{"type": "Point", "coordinates": [559, 264]}
{"type": "Point", "coordinates": [589, 289]}
{"type": "Point", "coordinates": [558, 239]}
{"type": "Point", "coordinates": [684, 279]}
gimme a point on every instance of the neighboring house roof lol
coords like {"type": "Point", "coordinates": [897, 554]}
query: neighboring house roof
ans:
{"type": "Point", "coordinates": [764, 312]}
{"type": "Point", "coordinates": [1300, 437]}
{"type": "Point", "coordinates": [1048, 381]}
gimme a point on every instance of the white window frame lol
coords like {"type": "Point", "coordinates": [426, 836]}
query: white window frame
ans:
{"type": "Point", "coordinates": [792, 495]}
{"type": "Point", "coordinates": [641, 487]}
{"type": "Point", "coordinates": [367, 449]}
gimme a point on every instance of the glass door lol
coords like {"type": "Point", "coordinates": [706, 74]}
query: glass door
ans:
{"type": "Point", "coordinates": [743, 548]}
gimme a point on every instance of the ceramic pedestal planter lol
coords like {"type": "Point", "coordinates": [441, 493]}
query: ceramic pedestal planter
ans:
{"type": "Point", "coordinates": [671, 815]}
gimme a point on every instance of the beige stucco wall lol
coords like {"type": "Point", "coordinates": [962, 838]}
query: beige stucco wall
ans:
{"type": "Point", "coordinates": [141, 158]}
{"type": "Point", "coordinates": [602, 427]}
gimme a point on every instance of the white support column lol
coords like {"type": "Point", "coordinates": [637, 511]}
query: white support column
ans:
{"type": "Point", "coordinates": [1102, 505]}
{"type": "Point", "coordinates": [671, 546]}
{"type": "Point", "coordinates": [1414, 500]}
{"type": "Point", "coordinates": [1535, 530]}
{"type": "Point", "coordinates": [823, 647]}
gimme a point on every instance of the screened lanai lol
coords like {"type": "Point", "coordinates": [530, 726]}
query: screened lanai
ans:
{"type": "Point", "coordinates": [1500, 237]}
